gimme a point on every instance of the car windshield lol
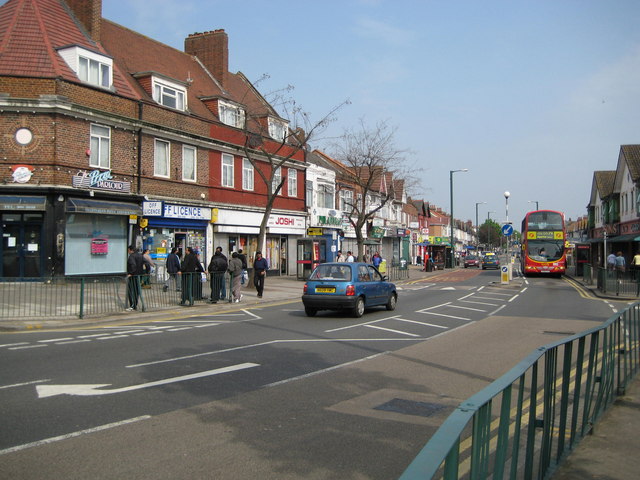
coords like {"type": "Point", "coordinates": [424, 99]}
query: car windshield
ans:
{"type": "Point", "coordinates": [331, 272]}
{"type": "Point", "coordinates": [471, 257]}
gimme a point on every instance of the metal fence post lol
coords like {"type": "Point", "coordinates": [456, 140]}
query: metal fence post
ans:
{"type": "Point", "coordinates": [81, 314]}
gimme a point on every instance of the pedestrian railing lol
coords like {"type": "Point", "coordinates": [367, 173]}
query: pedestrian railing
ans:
{"type": "Point", "coordinates": [59, 297]}
{"type": "Point", "coordinates": [525, 423]}
{"type": "Point", "coordinates": [396, 272]}
{"type": "Point", "coordinates": [617, 283]}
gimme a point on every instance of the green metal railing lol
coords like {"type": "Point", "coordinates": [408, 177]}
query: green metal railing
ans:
{"type": "Point", "coordinates": [525, 423]}
{"type": "Point", "coordinates": [619, 283]}
{"type": "Point", "coordinates": [60, 297]}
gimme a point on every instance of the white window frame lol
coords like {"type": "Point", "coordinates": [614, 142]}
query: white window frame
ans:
{"type": "Point", "coordinates": [277, 129]}
{"type": "Point", "coordinates": [292, 182]}
{"type": "Point", "coordinates": [346, 200]}
{"type": "Point", "coordinates": [230, 114]}
{"type": "Point", "coordinates": [90, 67]}
{"type": "Point", "coordinates": [169, 94]}
{"type": "Point", "coordinates": [161, 149]}
{"type": "Point", "coordinates": [277, 178]}
{"type": "Point", "coordinates": [247, 174]}
{"type": "Point", "coordinates": [189, 159]}
{"type": "Point", "coordinates": [326, 195]}
{"type": "Point", "coordinates": [100, 147]}
{"type": "Point", "coordinates": [226, 175]}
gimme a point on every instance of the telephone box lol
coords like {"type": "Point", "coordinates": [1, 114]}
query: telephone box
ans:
{"type": "Point", "coordinates": [582, 254]}
{"type": "Point", "coordinates": [311, 252]}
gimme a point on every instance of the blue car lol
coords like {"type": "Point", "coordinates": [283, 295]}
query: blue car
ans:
{"type": "Point", "coordinates": [347, 286]}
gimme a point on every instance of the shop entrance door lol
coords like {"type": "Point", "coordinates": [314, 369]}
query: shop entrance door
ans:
{"type": "Point", "coordinates": [21, 247]}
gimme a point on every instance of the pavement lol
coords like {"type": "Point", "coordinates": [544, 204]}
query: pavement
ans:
{"type": "Point", "coordinates": [609, 452]}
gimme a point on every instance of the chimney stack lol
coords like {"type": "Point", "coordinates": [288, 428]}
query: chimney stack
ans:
{"type": "Point", "coordinates": [89, 12]}
{"type": "Point", "coordinates": [212, 48]}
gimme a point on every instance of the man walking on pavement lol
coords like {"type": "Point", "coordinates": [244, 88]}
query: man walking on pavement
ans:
{"type": "Point", "coordinates": [135, 269]}
{"type": "Point", "coordinates": [173, 267]}
{"type": "Point", "coordinates": [260, 267]}
{"type": "Point", "coordinates": [188, 271]}
{"type": "Point", "coordinates": [217, 267]}
{"type": "Point", "coordinates": [223, 286]}
{"type": "Point", "coordinates": [235, 270]}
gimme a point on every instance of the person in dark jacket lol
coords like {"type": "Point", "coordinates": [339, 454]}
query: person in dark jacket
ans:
{"type": "Point", "coordinates": [190, 275]}
{"type": "Point", "coordinates": [260, 267]}
{"type": "Point", "coordinates": [243, 259]}
{"type": "Point", "coordinates": [223, 285]}
{"type": "Point", "coordinates": [217, 267]}
{"type": "Point", "coordinates": [173, 267]}
{"type": "Point", "coordinates": [135, 268]}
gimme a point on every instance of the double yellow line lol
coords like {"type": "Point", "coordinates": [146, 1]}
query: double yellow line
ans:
{"type": "Point", "coordinates": [583, 292]}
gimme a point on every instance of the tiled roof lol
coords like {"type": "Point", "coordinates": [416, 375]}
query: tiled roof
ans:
{"type": "Point", "coordinates": [632, 156]}
{"type": "Point", "coordinates": [31, 31]}
{"type": "Point", "coordinates": [605, 182]}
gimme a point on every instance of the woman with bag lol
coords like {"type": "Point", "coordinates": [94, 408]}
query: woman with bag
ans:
{"type": "Point", "coordinates": [260, 267]}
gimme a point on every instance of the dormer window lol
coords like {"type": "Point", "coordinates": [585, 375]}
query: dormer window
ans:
{"type": "Point", "coordinates": [90, 67]}
{"type": "Point", "coordinates": [230, 114]}
{"type": "Point", "coordinates": [170, 94]}
{"type": "Point", "coordinates": [277, 129]}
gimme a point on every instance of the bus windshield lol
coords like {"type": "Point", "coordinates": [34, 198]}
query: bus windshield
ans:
{"type": "Point", "coordinates": [545, 250]}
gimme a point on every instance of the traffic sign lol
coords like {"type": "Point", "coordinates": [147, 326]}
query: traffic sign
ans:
{"type": "Point", "coordinates": [507, 230]}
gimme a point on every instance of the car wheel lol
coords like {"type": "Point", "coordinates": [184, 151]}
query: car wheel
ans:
{"type": "Point", "coordinates": [393, 300]}
{"type": "Point", "coordinates": [358, 309]}
{"type": "Point", "coordinates": [311, 312]}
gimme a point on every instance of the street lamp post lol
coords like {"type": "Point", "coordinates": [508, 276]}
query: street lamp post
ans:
{"type": "Point", "coordinates": [536, 202]}
{"type": "Point", "coordinates": [451, 172]}
{"type": "Point", "coordinates": [489, 228]}
{"type": "Point", "coordinates": [477, 231]}
{"type": "Point", "coordinates": [506, 201]}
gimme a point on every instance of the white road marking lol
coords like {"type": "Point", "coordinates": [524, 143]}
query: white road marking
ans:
{"type": "Point", "coordinates": [392, 330]}
{"type": "Point", "coordinates": [112, 337]}
{"type": "Point", "coordinates": [72, 435]}
{"type": "Point", "coordinates": [53, 340]}
{"type": "Point", "coordinates": [27, 346]}
{"type": "Point", "coordinates": [447, 316]}
{"type": "Point", "coordinates": [466, 308]}
{"type": "Point", "coordinates": [92, 390]}
{"type": "Point", "coordinates": [73, 341]}
{"type": "Point", "coordinates": [421, 323]}
{"type": "Point", "coordinates": [14, 344]}
{"type": "Point", "coordinates": [481, 303]}
{"type": "Point", "coordinates": [23, 384]}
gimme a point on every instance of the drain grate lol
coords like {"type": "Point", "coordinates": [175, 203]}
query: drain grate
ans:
{"type": "Point", "coordinates": [409, 407]}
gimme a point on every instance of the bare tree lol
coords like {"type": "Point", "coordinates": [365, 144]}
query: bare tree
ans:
{"type": "Point", "coordinates": [373, 164]}
{"type": "Point", "coordinates": [269, 152]}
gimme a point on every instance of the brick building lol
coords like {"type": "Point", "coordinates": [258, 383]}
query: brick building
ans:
{"type": "Point", "coordinates": [109, 138]}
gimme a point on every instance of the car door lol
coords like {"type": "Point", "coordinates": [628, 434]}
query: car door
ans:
{"type": "Point", "coordinates": [376, 286]}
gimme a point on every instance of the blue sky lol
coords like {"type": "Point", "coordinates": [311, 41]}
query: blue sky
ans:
{"type": "Point", "coordinates": [530, 96]}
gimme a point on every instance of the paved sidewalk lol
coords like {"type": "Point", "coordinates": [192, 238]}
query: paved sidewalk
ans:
{"type": "Point", "coordinates": [610, 453]}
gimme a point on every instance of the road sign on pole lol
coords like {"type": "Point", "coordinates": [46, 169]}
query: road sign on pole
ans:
{"type": "Point", "coordinates": [507, 230]}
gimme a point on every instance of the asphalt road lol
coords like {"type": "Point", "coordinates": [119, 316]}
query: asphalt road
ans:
{"type": "Point", "coordinates": [268, 392]}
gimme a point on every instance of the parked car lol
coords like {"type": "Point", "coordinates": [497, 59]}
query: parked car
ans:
{"type": "Point", "coordinates": [350, 286]}
{"type": "Point", "coordinates": [490, 260]}
{"type": "Point", "coordinates": [472, 261]}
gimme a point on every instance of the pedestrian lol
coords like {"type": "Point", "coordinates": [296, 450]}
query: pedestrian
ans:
{"type": "Point", "coordinates": [425, 261]}
{"type": "Point", "coordinates": [172, 266]}
{"type": "Point", "coordinates": [350, 257]}
{"type": "Point", "coordinates": [260, 267]}
{"type": "Point", "coordinates": [190, 275]}
{"type": "Point", "coordinates": [636, 264]}
{"type": "Point", "coordinates": [148, 266]}
{"type": "Point", "coordinates": [611, 263]}
{"type": "Point", "coordinates": [235, 271]}
{"type": "Point", "coordinates": [620, 265]}
{"type": "Point", "coordinates": [223, 284]}
{"type": "Point", "coordinates": [340, 257]}
{"type": "Point", "coordinates": [243, 259]}
{"type": "Point", "coordinates": [217, 267]}
{"type": "Point", "coordinates": [376, 260]}
{"type": "Point", "coordinates": [135, 268]}
{"type": "Point", "coordinates": [201, 277]}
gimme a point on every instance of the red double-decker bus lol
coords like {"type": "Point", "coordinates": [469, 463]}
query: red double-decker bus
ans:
{"type": "Point", "coordinates": [543, 243]}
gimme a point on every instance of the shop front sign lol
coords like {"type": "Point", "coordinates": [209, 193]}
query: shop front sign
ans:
{"type": "Point", "coordinates": [187, 212]}
{"type": "Point", "coordinates": [99, 180]}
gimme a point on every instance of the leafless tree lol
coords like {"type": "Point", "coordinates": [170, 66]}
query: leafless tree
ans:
{"type": "Point", "coordinates": [376, 168]}
{"type": "Point", "coordinates": [269, 156]}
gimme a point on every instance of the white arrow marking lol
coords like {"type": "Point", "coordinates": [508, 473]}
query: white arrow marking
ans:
{"type": "Point", "coordinates": [89, 390]}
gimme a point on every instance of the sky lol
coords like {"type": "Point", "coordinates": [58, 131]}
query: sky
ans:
{"type": "Point", "coordinates": [530, 96]}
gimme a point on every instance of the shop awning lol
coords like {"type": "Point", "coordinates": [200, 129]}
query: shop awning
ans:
{"type": "Point", "coordinates": [423, 244]}
{"type": "Point", "coordinates": [632, 237]}
{"type": "Point", "coordinates": [9, 202]}
{"type": "Point", "coordinates": [371, 242]}
{"type": "Point", "coordinates": [82, 205]}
